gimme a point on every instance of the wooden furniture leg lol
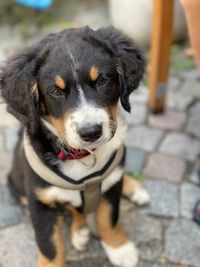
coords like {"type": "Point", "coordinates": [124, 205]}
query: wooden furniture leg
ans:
{"type": "Point", "coordinates": [162, 33]}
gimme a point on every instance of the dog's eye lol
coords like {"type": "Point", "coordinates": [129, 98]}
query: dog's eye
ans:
{"type": "Point", "coordinates": [56, 91]}
{"type": "Point", "coordinates": [102, 81]}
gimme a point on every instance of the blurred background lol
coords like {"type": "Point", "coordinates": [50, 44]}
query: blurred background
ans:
{"type": "Point", "coordinates": [163, 147]}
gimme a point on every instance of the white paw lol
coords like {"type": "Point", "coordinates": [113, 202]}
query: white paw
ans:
{"type": "Point", "coordinates": [140, 196]}
{"type": "Point", "coordinates": [81, 238]}
{"type": "Point", "coordinates": [123, 256]}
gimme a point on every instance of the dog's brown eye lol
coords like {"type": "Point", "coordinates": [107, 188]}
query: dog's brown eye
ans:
{"type": "Point", "coordinates": [102, 81]}
{"type": "Point", "coordinates": [56, 91]}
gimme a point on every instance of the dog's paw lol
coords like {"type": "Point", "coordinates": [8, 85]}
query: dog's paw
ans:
{"type": "Point", "coordinates": [81, 238]}
{"type": "Point", "coordinates": [123, 256]}
{"type": "Point", "coordinates": [140, 196]}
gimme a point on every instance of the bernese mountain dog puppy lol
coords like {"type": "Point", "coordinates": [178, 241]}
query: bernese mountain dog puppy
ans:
{"type": "Point", "coordinates": [70, 154]}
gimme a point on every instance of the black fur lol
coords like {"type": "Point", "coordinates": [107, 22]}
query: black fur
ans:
{"type": "Point", "coordinates": [119, 61]}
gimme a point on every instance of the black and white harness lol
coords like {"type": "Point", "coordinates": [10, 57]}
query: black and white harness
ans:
{"type": "Point", "coordinates": [90, 185]}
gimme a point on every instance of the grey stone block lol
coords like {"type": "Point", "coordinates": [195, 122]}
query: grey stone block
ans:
{"type": "Point", "coordinates": [139, 96]}
{"type": "Point", "coordinates": [195, 174]}
{"type": "Point", "coordinates": [1, 143]}
{"type": "Point", "coordinates": [3, 178]}
{"type": "Point", "coordinates": [134, 160]}
{"type": "Point", "coordinates": [8, 120]}
{"type": "Point", "coordinates": [181, 145]}
{"type": "Point", "coordinates": [187, 93]}
{"type": "Point", "coordinates": [10, 211]}
{"type": "Point", "coordinates": [182, 243]}
{"type": "Point", "coordinates": [143, 137]}
{"type": "Point", "coordinates": [5, 160]}
{"type": "Point", "coordinates": [190, 194]}
{"type": "Point", "coordinates": [170, 120]}
{"type": "Point", "coordinates": [11, 135]}
{"type": "Point", "coordinates": [17, 246]}
{"type": "Point", "coordinates": [146, 232]}
{"type": "Point", "coordinates": [137, 116]}
{"type": "Point", "coordinates": [193, 125]}
{"type": "Point", "coordinates": [165, 167]}
{"type": "Point", "coordinates": [164, 199]}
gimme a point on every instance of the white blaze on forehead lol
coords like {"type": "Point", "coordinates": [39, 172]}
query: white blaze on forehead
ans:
{"type": "Point", "coordinates": [85, 114]}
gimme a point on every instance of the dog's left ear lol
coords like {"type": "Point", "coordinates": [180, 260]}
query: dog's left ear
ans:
{"type": "Point", "coordinates": [129, 60]}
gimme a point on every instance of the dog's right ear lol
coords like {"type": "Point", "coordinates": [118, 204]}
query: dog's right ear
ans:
{"type": "Point", "coordinates": [18, 81]}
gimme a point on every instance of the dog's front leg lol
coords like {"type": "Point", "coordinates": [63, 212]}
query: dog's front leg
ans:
{"type": "Point", "coordinates": [80, 233]}
{"type": "Point", "coordinates": [119, 249]}
{"type": "Point", "coordinates": [134, 191]}
{"type": "Point", "coordinates": [47, 224]}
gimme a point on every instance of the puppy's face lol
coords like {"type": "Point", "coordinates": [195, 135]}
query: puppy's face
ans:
{"type": "Point", "coordinates": [78, 87]}
{"type": "Point", "coordinates": [71, 81]}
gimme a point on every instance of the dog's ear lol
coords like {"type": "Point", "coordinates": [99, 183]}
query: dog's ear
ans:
{"type": "Point", "coordinates": [18, 87]}
{"type": "Point", "coordinates": [18, 82]}
{"type": "Point", "coordinates": [129, 60]}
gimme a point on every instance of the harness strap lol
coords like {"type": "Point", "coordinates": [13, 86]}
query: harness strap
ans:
{"type": "Point", "coordinates": [90, 186]}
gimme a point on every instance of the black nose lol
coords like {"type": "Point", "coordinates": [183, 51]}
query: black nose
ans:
{"type": "Point", "coordinates": [90, 133]}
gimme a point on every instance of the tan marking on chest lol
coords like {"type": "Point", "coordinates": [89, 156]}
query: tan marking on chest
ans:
{"type": "Point", "coordinates": [54, 195]}
{"type": "Point", "coordinates": [94, 73]}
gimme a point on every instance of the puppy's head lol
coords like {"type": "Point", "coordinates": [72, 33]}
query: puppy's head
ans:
{"type": "Point", "coordinates": [71, 82]}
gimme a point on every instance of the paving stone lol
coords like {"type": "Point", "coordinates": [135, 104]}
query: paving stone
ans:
{"type": "Point", "coordinates": [134, 160]}
{"type": "Point", "coordinates": [10, 211]}
{"type": "Point", "coordinates": [182, 243]}
{"type": "Point", "coordinates": [91, 262]}
{"type": "Point", "coordinates": [140, 95]}
{"type": "Point", "coordinates": [137, 116]}
{"type": "Point", "coordinates": [146, 232]}
{"type": "Point", "coordinates": [143, 137]}
{"type": "Point", "coordinates": [195, 109]}
{"type": "Point", "coordinates": [193, 125]}
{"type": "Point", "coordinates": [192, 74]}
{"type": "Point", "coordinates": [17, 246]}
{"type": "Point", "coordinates": [190, 194]}
{"type": "Point", "coordinates": [5, 160]}
{"type": "Point", "coordinates": [1, 143]}
{"type": "Point", "coordinates": [181, 145]}
{"type": "Point", "coordinates": [174, 82]}
{"type": "Point", "coordinates": [165, 167]}
{"type": "Point", "coordinates": [181, 99]}
{"type": "Point", "coordinates": [150, 264]}
{"type": "Point", "coordinates": [170, 120]}
{"type": "Point", "coordinates": [164, 198]}
{"type": "Point", "coordinates": [8, 119]}
{"type": "Point", "coordinates": [3, 178]}
{"type": "Point", "coordinates": [11, 136]}
{"type": "Point", "coordinates": [178, 101]}
{"type": "Point", "coordinates": [195, 175]}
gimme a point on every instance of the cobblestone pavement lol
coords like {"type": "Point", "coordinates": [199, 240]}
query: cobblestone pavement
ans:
{"type": "Point", "coordinates": [163, 148]}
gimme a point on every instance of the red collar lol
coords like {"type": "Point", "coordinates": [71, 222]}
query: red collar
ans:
{"type": "Point", "coordinates": [71, 154]}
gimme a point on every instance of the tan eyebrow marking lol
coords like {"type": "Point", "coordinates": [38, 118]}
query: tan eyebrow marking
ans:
{"type": "Point", "coordinates": [60, 82]}
{"type": "Point", "coordinates": [94, 73]}
{"type": "Point", "coordinates": [34, 91]}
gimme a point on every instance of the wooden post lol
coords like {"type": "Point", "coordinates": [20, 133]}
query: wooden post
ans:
{"type": "Point", "coordinates": [162, 33]}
